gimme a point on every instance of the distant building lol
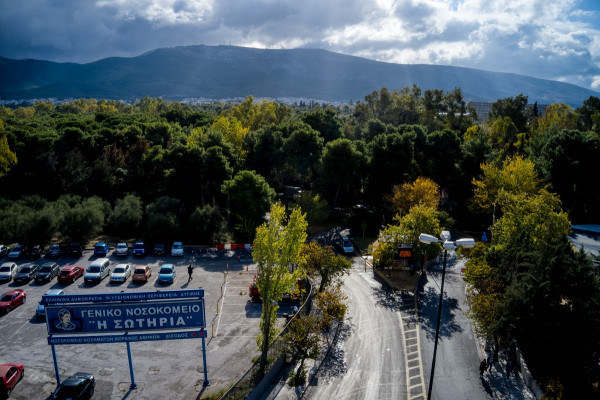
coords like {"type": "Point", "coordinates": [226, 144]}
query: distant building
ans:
{"type": "Point", "coordinates": [483, 109]}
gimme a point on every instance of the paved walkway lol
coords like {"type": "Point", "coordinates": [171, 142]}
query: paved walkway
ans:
{"type": "Point", "coordinates": [503, 387]}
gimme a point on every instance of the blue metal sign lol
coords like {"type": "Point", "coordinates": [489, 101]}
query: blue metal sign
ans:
{"type": "Point", "coordinates": [124, 317]}
{"type": "Point", "coordinates": [131, 296]}
{"type": "Point", "coordinates": [137, 337]}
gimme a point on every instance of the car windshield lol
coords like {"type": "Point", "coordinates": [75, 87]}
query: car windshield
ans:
{"type": "Point", "coordinates": [55, 246]}
{"type": "Point", "coordinates": [177, 246]}
{"type": "Point", "coordinates": [165, 270]}
{"type": "Point", "coordinates": [139, 245]}
{"type": "Point", "coordinates": [66, 392]}
{"type": "Point", "coordinates": [93, 268]}
{"type": "Point", "coordinates": [4, 269]}
{"type": "Point", "coordinates": [64, 273]}
{"type": "Point", "coordinates": [25, 270]}
{"type": "Point", "coordinates": [119, 270]}
{"type": "Point", "coordinates": [121, 246]}
{"type": "Point", "coordinates": [46, 269]}
{"type": "Point", "coordinates": [98, 247]}
{"type": "Point", "coordinates": [17, 248]}
{"type": "Point", "coordinates": [140, 271]}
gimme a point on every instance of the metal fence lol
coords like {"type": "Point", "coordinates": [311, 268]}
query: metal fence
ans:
{"type": "Point", "coordinates": [251, 378]}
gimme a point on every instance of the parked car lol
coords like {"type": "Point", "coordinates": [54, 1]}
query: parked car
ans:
{"type": "Point", "coordinates": [141, 274]}
{"type": "Point", "coordinates": [159, 249]}
{"type": "Point", "coordinates": [54, 251]}
{"type": "Point", "coordinates": [17, 252]}
{"type": "Point", "coordinates": [166, 273]}
{"type": "Point", "coordinates": [26, 273]}
{"type": "Point", "coordinates": [122, 250]}
{"type": "Point", "coordinates": [98, 270]}
{"type": "Point", "coordinates": [3, 250]}
{"type": "Point", "coordinates": [101, 249]}
{"type": "Point", "coordinates": [69, 273]}
{"type": "Point", "coordinates": [75, 249]}
{"type": "Point", "coordinates": [47, 272]}
{"type": "Point", "coordinates": [7, 271]}
{"type": "Point", "coordinates": [80, 385]}
{"type": "Point", "coordinates": [347, 246]}
{"type": "Point", "coordinates": [120, 273]}
{"type": "Point", "coordinates": [177, 249]}
{"type": "Point", "coordinates": [12, 299]}
{"type": "Point", "coordinates": [10, 375]}
{"type": "Point", "coordinates": [40, 311]}
{"type": "Point", "coordinates": [139, 250]}
{"type": "Point", "coordinates": [35, 251]}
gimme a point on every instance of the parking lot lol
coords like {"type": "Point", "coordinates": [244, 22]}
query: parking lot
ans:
{"type": "Point", "coordinates": [163, 369]}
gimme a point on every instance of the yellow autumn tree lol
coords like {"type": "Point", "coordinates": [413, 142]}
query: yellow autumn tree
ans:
{"type": "Point", "coordinates": [515, 176]}
{"type": "Point", "coordinates": [423, 191]}
{"type": "Point", "coordinates": [233, 132]}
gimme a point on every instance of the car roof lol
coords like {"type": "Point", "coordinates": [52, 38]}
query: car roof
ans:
{"type": "Point", "coordinates": [101, 244]}
{"type": "Point", "coordinates": [13, 291]}
{"type": "Point", "coordinates": [7, 264]}
{"type": "Point", "coordinates": [7, 366]}
{"type": "Point", "coordinates": [54, 292]}
{"type": "Point", "coordinates": [69, 267]}
{"type": "Point", "coordinates": [123, 265]}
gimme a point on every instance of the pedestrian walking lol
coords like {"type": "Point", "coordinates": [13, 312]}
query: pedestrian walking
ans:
{"type": "Point", "coordinates": [482, 367]}
{"type": "Point", "coordinates": [508, 368]}
{"type": "Point", "coordinates": [490, 361]}
{"type": "Point", "coordinates": [190, 271]}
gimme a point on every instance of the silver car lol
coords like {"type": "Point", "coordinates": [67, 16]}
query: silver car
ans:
{"type": "Point", "coordinates": [120, 273]}
{"type": "Point", "coordinates": [7, 271]}
{"type": "Point", "coordinates": [40, 311]}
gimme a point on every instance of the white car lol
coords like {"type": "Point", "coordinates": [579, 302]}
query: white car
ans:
{"type": "Point", "coordinates": [122, 250]}
{"type": "Point", "coordinates": [177, 249]}
{"type": "Point", "coordinates": [120, 273]}
{"type": "Point", "coordinates": [8, 271]}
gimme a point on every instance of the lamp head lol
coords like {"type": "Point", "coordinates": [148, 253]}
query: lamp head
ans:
{"type": "Point", "coordinates": [466, 243]}
{"type": "Point", "coordinates": [428, 239]}
{"type": "Point", "coordinates": [445, 235]}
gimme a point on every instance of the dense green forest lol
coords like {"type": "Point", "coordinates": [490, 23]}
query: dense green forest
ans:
{"type": "Point", "coordinates": [209, 173]}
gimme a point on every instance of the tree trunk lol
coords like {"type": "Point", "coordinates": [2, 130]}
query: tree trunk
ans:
{"type": "Point", "coordinates": [265, 341]}
{"type": "Point", "coordinates": [299, 371]}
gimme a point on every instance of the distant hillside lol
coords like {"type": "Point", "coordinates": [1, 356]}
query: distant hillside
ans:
{"type": "Point", "coordinates": [220, 72]}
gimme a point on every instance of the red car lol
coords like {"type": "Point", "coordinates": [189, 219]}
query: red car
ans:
{"type": "Point", "coordinates": [70, 273]}
{"type": "Point", "coordinates": [10, 375]}
{"type": "Point", "coordinates": [12, 299]}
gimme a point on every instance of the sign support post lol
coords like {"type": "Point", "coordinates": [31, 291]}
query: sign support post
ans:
{"type": "Point", "coordinates": [56, 371]}
{"type": "Point", "coordinates": [206, 382]}
{"type": "Point", "coordinates": [133, 384]}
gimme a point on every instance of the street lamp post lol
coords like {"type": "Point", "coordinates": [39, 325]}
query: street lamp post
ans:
{"type": "Point", "coordinates": [448, 245]}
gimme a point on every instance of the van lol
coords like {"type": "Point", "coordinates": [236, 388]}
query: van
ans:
{"type": "Point", "coordinates": [98, 270]}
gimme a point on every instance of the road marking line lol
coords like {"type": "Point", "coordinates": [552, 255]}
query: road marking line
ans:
{"type": "Point", "coordinates": [410, 357]}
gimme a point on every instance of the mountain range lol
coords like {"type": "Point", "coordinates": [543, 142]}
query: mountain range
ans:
{"type": "Point", "coordinates": [222, 72]}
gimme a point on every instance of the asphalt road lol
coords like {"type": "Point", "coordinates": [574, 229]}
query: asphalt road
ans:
{"type": "Point", "coordinates": [369, 360]}
{"type": "Point", "coordinates": [171, 369]}
{"type": "Point", "coordinates": [456, 374]}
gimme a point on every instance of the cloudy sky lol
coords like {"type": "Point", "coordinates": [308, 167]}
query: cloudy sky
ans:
{"type": "Point", "coordinates": [552, 39]}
